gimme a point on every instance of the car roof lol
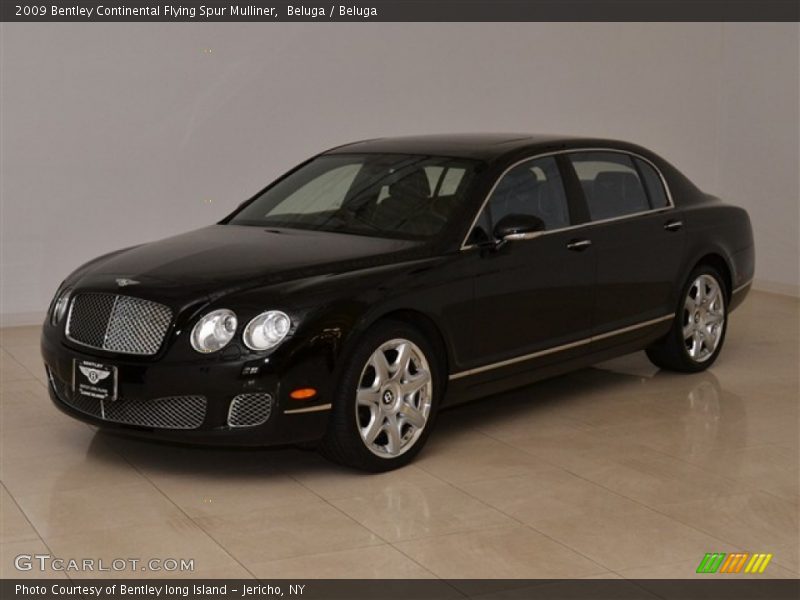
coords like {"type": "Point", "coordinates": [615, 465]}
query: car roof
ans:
{"type": "Point", "coordinates": [479, 146]}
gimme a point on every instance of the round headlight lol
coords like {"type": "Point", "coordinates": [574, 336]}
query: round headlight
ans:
{"type": "Point", "coordinates": [267, 330]}
{"type": "Point", "coordinates": [214, 331]}
{"type": "Point", "coordinates": [60, 306]}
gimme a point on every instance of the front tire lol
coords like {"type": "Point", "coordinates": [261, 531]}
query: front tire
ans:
{"type": "Point", "coordinates": [698, 330]}
{"type": "Point", "coordinates": [386, 400]}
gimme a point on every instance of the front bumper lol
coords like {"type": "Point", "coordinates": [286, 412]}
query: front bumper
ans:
{"type": "Point", "coordinates": [190, 401]}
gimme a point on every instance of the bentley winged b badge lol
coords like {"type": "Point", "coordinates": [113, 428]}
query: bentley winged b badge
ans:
{"type": "Point", "coordinates": [94, 375]}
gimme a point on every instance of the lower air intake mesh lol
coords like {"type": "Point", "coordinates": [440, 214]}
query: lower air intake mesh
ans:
{"type": "Point", "coordinates": [249, 410]}
{"type": "Point", "coordinates": [171, 412]}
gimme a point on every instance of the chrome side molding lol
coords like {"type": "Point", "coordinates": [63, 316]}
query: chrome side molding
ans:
{"type": "Point", "coordinates": [554, 349]}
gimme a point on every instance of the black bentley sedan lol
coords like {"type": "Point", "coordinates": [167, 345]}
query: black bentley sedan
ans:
{"type": "Point", "coordinates": [380, 281]}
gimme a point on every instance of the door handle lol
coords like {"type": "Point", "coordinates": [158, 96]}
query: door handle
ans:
{"type": "Point", "coordinates": [579, 245]}
{"type": "Point", "coordinates": [673, 225]}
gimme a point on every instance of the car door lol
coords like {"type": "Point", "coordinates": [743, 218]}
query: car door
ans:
{"type": "Point", "coordinates": [532, 296]}
{"type": "Point", "coordinates": [637, 236]}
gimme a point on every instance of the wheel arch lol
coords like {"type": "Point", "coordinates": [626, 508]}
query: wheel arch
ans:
{"type": "Point", "coordinates": [414, 318]}
{"type": "Point", "coordinates": [427, 327]}
{"type": "Point", "coordinates": [718, 262]}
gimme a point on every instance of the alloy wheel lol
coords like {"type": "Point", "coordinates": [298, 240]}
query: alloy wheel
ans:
{"type": "Point", "coordinates": [393, 399]}
{"type": "Point", "coordinates": [703, 318]}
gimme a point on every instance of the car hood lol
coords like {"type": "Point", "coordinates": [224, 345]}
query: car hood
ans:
{"type": "Point", "coordinates": [220, 259]}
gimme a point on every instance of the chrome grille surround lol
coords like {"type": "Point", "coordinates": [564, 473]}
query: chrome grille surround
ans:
{"type": "Point", "coordinates": [250, 410]}
{"type": "Point", "coordinates": [116, 323]}
{"type": "Point", "coordinates": [171, 412]}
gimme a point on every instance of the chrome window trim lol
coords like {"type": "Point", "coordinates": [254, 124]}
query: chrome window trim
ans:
{"type": "Point", "coordinates": [465, 246]}
{"type": "Point", "coordinates": [552, 350]}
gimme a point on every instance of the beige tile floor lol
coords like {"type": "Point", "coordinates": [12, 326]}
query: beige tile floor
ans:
{"type": "Point", "coordinates": [618, 470]}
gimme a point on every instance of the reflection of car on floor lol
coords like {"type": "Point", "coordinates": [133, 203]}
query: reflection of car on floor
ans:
{"type": "Point", "coordinates": [379, 281]}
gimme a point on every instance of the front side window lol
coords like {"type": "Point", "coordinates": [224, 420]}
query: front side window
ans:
{"type": "Point", "coordinates": [381, 195]}
{"type": "Point", "coordinates": [532, 188]}
{"type": "Point", "coordinates": [610, 183]}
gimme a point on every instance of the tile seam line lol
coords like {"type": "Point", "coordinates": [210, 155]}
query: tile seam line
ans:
{"type": "Point", "coordinates": [375, 533]}
{"type": "Point", "coordinates": [293, 556]}
{"type": "Point", "coordinates": [703, 468]}
{"type": "Point", "coordinates": [522, 523]}
{"type": "Point", "coordinates": [727, 478]}
{"type": "Point", "coordinates": [35, 529]}
{"type": "Point", "coordinates": [183, 512]}
{"type": "Point", "coordinates": [706, 533]}
{"type": "Point", "coordinates": [24, 368]}
{"type": "Point", "coordinates": [552, 464]}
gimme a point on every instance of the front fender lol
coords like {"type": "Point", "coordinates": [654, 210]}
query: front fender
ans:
{"type": "Point", "coordinates": [334, 311]}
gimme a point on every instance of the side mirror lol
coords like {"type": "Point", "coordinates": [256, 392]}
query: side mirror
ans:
{"type": "Point", "coordinates": [518, 227]}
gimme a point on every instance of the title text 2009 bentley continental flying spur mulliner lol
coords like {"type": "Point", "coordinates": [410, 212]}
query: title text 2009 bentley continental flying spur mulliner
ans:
{"type": "Point", "coordinates": [378, 282]}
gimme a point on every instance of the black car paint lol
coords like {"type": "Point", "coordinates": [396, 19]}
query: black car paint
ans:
{"type": "Point", "coordinates": [480, 305]}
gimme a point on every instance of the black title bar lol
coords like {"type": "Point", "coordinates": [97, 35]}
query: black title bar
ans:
{"type": "Point", "coordinates": [399, 10]}
{"type": "Point", "coordinates": [722, 587]}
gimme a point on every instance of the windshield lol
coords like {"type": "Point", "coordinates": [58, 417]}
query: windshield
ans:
{"type": "Point", "coordinates": [381, 195]}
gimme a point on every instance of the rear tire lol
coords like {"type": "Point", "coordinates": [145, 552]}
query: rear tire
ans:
{"type": "Point", "coordinates": [386, 400]}
{"type": "Point", "coordinates": [698, 330]}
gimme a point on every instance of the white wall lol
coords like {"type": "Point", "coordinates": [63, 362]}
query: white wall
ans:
{"type": "Point", "coordinates": [759, 134]}
{"type": "Point", "coordinates": [120, 133]}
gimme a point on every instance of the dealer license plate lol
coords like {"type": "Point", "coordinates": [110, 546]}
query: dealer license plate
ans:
{"type": "Point", "coordinates": [94, 380]}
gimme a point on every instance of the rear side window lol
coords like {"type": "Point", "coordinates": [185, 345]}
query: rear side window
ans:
{"type": "Point", "coordinates": [652, 182]}
{"type": "Point", "coordinates": [532, 188]}
{"type": "Point", "coordinates": [610, 183]}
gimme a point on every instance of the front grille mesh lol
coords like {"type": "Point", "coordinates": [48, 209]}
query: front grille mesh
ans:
{"type": "Point", "coordinates": [172, 412]}
{"type": "Point", "coordinates": [118, 323]}
{"type": "Point", "coordinates": [249, 410]}
{"type": "Point", "coordinates": [88, 318]}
